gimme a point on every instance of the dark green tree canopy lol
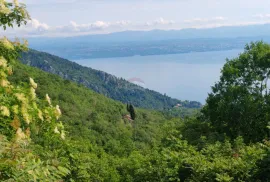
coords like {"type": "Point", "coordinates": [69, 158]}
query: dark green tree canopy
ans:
{"type": "Point", "coordinates": [131, 110]}
{"type": "Point", "coordinates": [239, 102]}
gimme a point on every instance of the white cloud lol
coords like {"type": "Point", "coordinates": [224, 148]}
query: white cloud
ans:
{"type": "Point", "coordinates": [37, 28]}
{"type": "Point", "coordinates": [34, 24]}
{"type": "Point", "coordinates": [98, 25]}
{"type": "Point", "coordinates": [33, 28]}
{"type": "Point", "coordinates": [42, 2]}
{"type": "Point", "coordinates": [262, 16]}
{"type": "Point", "coordinates": [206, 20]}
{"type": "Point", "coordinates": [160, 21]}
{"type": "Point", "coordinates": [123, 23]}
{"type": "Point", "coordinates": [94, 26]}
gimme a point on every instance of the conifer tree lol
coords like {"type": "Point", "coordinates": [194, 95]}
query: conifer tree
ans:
{"type": "Point", "coordinates": [132, 112]}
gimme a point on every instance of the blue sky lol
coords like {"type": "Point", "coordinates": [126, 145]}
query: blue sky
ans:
{"type": "Point", "coordinates": [76, 17]}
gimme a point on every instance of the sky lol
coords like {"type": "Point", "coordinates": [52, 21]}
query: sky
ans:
{"type": "Point", "coordinates": [78, 17]}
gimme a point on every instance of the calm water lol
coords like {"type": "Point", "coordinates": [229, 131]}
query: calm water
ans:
{"type": "Point", "coordinates": [184, 76]}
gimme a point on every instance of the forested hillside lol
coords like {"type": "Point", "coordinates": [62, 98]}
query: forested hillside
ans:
{"type": "Point", "coordinates": [104, 83]}
{"type": "Point", "coordinates": [101, 144]}
{"type": "Point", "coordinates": [53, 129]}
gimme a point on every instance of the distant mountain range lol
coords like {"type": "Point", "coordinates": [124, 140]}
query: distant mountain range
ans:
{"type": "Point", "coordinates": [155, 42]}
{"type": "Point", "coordinates": [157, 35]}
{"type": "Point", "coordinates": [104, 83]}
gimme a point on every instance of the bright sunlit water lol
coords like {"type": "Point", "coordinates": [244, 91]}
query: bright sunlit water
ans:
{"type": "Point", "coordinates": [183, 76]}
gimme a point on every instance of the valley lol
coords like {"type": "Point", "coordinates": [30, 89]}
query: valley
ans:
{"type": "Point", "coordinates": [169, 105]}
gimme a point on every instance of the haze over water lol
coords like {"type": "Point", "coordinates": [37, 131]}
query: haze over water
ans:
{"type": "Point", "coordinates": [186, 76]}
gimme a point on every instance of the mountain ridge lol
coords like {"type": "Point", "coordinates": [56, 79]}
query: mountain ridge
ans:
{"type": "Point", "coordinates": [226, 31]}
{"type": "Point", "coordinates": [102, 82]}
{"type": "Point", "coordinates": [154, 42]}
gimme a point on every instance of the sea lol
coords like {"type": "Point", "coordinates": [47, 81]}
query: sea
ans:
{"type": "Point", "coordinates": [187, 76]}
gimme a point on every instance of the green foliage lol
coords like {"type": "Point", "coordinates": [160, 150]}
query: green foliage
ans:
{"type": "Point", "coordinates": [22, 118]}
{"type": "Point", "coordinates": [18, 163]}
{"type": "Point", "coordinates": [176, 160]}
{"type": "Point", "coordinates": [104, 146]}
{"type": "Point", "coordinates": [95, 122]}
{"type": "Point", "coordinates": [12, 13]}
{"type": "Point", "coordinates": [97, 143]}
{"type": "Point", "coordinates": [181, 112]}
{"type": "Point", "coordinates": [131, 110]}
{"type": "Point", "coordinates": [239, 102]}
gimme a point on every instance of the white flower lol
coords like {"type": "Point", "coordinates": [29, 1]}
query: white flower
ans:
{"type": "Point", "coordinates": [7, 44]}
{"type": "Point", "coordinates": [56, 130]}
{"type": "Point", "coordinates": [15, 109]}
{"type": "Point", "coordinates": [3, 62]}
{"type": "Point", "coordinates": [63, 136]}
{"type": "Point", "coordinates": [40, 115]}
{"type": "Point", "coordinates": [4, 111]}
{"type": "Point", "coordinates": [48, 99]}
{"type": "Point", "coordinates": [20, 97]}
{"type": "Point", "coordinates": [16, 3]}
{"type": "Point", "coordinates": [47, 115]}
{"type": "Point", "coordinates": [33, 93]}
{"type": "Point", "coordinates": [25, 114]}
{"type": "Point", "coordinates": [33, 83]}
{"type": "Point", "coordinates": [3, 8]}
{"type": "Point", "coordinates": [4, 83]}
{"type": "Point", "coordinates": [20, 135]}
{"type": "Point", "coordinates": [26, 118]}
{"type": "Point", "coordinates": [57, 112]}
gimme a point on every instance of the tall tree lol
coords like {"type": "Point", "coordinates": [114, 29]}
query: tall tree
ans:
{"type": "Point", "coordinates": [132, 112]}
{"type": "Point", "coordinates": [240, 103]}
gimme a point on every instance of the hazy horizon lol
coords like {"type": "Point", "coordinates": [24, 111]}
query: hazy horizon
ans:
{"type": "Point", "coordinates": [78, 17]}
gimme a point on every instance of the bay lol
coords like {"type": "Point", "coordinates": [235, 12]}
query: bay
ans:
{"type": "Point", "coordinates": [187, 76]}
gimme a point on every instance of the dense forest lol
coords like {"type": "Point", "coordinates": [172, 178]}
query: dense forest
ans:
{"type": "Point", "coordinates": [104, 83]}
{"type": "Point", "coordinates": [52, 129]}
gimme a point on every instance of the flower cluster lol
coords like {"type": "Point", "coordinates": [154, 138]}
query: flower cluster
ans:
{"type": "Point", "coordinates": [19, 106]}
{"type": "Point", "coordinates": [4, 111]}
{"type": "Point", "coordinates": [3, 7]}
{"type": "Point", "coordinates": [15, 10]}
{"type": "Point", "coordinates": [7, 44]}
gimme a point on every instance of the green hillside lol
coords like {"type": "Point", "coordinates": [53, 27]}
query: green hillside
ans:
{"type": "Point", "coordinates": [101, 145]}
{"type": "Point", "coordinates": [104, 83]}
{"type": "Point", "coordinates": [86, 109]}
{"type": "Point", "coordinates": [52, 129]}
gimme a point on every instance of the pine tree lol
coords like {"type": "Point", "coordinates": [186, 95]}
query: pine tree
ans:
{"type": "Point", "coordinates": [132, 112]}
